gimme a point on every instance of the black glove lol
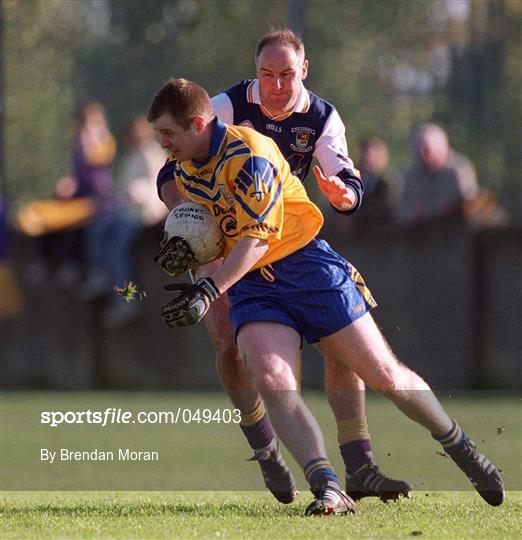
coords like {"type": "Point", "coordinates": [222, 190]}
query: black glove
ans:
{"type": "Point", "coordinates": [175, 256]}
{"type": "Point", "coordinates": [192, 303]}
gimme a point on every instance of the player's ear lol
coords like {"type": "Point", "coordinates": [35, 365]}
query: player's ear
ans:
{"type": "Point", "coordinates": [305, 70]}
{"type": "Point", "coordinates": [198, 124]}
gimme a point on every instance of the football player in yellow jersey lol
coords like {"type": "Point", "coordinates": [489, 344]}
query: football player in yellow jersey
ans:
{"type": "Point", "coordinates": [303, 126]}
{"type": "Point", "coordinates": [277, 298]}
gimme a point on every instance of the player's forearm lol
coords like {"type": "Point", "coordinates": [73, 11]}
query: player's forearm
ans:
{"type": "Point", "coordinates": [240, 261]}
{"type": "Point", "coordinates": [352, 180]}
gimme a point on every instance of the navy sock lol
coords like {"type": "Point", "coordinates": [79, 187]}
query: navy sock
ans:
{"type": "Point", "coordinates": [452, 441]}
{"type": "Point", "coordinates": [257, 428]}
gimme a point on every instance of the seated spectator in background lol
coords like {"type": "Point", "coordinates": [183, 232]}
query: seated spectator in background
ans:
{"type": "Point", "coordinates": [375, 211]}
{"type": "Point", "coordinates": [61, 235]}
{"type": "Point", "coordinates": [137, 174]}
{"type": "Point", "coordinates": [121, 218]}
{"type": "Point", "coordinates": [110, 235]}
{"type": "Point", "coordinates": [439, 182]}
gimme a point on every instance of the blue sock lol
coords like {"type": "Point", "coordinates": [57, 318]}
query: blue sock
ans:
{"type": "Point", "coordinates": [319, 472]}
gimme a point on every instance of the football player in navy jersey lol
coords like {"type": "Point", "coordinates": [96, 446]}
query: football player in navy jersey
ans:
{"type": "Point", "coordinates": [304, 126]}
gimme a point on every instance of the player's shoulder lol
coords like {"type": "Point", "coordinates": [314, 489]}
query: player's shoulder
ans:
{"type": "Point", "coordinates": [319, 114]}
{"type": "Point", "coordinates": [168, 168]}
{"type": "Point", "coordinates": [239, 90]}
{"type": "Point", "coordinates": [319, 107]}
{"type": "Point", "coordinates": [250, 137]}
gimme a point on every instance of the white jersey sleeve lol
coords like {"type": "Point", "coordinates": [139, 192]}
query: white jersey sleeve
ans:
{"type": "Point", "coordinates": [223, 108]}
{"type": "Point", "coordinates": [331, 149]}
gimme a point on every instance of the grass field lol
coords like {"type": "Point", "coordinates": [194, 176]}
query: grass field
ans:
{"type": "Point", "coordinates": [119, 500]}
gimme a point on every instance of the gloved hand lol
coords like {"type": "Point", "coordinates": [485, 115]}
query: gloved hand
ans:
{"type": "Point", "coordinates": [191, 305]}
{"type": "Point", "coordinates": [175, 256]}
{"type": "Point", "coordinates": [335, 190]}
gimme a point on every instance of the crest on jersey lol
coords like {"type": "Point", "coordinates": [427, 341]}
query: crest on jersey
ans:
{"type": "Point", "coordinates": [301, 138]}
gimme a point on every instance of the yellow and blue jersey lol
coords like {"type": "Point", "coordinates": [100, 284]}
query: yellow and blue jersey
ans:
{"type": "Point", "coordinates": [247, 184]}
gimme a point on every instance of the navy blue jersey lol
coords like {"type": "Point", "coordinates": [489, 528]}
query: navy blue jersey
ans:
{"type": "Point", "coordinates": [296, 135]}
{"type": "Point", "coordinates": [312, 128]}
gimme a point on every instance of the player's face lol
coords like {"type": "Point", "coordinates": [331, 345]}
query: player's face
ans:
{"type": "Point", "coordinates": [181, 143]}
{"type": "Point", "coordinates": [280, 71]}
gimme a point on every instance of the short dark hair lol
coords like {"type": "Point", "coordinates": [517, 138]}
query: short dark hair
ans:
{"type": "Point", "coordinates": [283, 36]}
{"type": "Point", "coordinates": [183, 100]}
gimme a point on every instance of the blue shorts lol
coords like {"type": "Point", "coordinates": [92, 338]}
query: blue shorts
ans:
{"type": "Point", "coordinates": [313, 290]}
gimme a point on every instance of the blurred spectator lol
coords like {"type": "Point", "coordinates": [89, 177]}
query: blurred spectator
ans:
{"type": "Point", "coordinates": [93, 152]}
{"type": "Point", "coordinates": [10, 298]}
{"type": "Point", "coordinates": [94, 149]}
{"type": "Point", "coordinates": [88, 191]}
{"type": "Point", "coordinates": [375, 212]}
{"type": "Point", "coordinates": [137, 173]}
{"type": "Point", "coordinates": [439, 181]}
{"type": "Point", "coordinates": [121, 218]}
{"type": "Point", "coordinates": [110, 235]}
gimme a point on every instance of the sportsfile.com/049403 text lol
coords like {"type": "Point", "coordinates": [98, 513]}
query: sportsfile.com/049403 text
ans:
{"type": "Point", "coordinates": [112, 415]}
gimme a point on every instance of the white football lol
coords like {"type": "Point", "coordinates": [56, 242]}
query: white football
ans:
{"type": "Point", "coordinates": [195, 224]}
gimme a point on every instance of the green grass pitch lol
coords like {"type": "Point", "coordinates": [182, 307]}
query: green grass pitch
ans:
{"type": "Point", "coordinates": [105, 500]}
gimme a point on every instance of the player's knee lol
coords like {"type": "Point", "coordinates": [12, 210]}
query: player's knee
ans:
{"type": "Point", "coordinates": [272, 375]}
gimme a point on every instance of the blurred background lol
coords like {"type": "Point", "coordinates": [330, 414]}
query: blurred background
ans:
{"type": "Point", "coordinates": [77, 76]}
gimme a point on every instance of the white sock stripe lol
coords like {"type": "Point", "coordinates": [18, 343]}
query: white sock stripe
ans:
{"type": "Point", "coordinates": [452, 437]}
{"type": "Point", "coordinates": [455, 439]}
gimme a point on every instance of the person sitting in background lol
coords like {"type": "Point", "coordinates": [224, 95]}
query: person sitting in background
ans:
{"type": "Point", "coordinates": [439, 180]}
{"type": "Point", "coordinates": [137, 174]}
{"type": "Point", "coordinates": [138, 209]}
{"type": "Point", "coordinates": [375, 212]}
{"type": "Point", "coordinates": [61, 223]}
{"type": "Point", "coordinates": [111, 234]}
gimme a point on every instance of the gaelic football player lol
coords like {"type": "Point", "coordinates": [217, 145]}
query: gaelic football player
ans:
{"type": "Point", "coordinates": [303, 126]}
{"type": "Point", "coordinates": [283, 285]}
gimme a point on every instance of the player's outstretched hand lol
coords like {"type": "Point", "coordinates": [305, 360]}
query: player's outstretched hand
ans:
{"type": "Point", "coordinates": [191, 305]}
{"type": "Point", "coordinates": [335, 190]}
{"type": "Point", "coordinates": [175, 256]}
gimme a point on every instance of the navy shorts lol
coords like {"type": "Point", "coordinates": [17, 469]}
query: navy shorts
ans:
{"type": "Point", "coordinates": [313, 290]}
